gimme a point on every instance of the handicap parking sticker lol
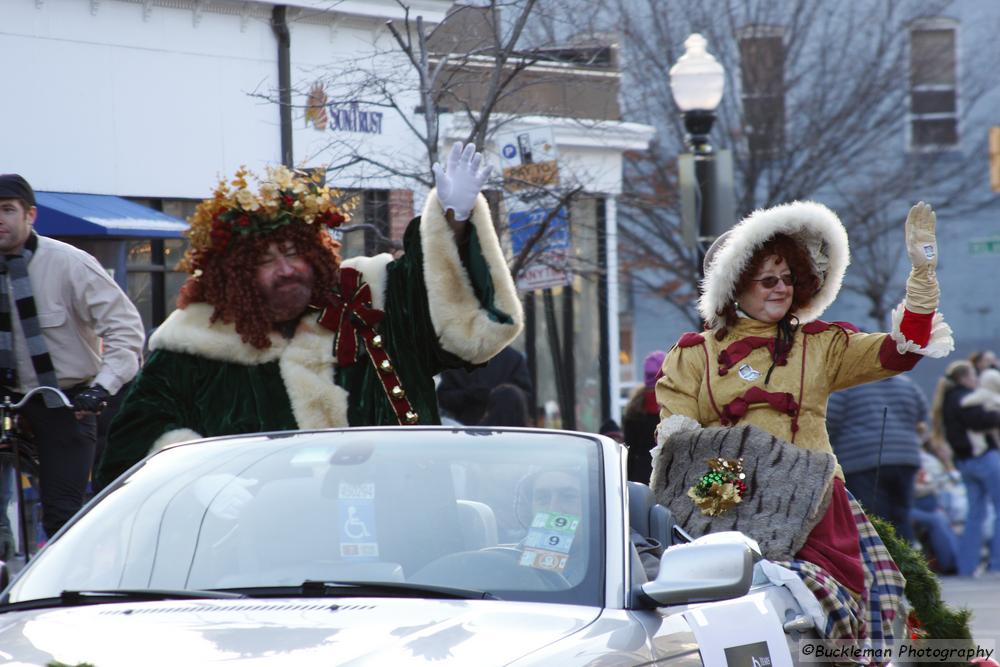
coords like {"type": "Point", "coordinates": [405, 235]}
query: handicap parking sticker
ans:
{"type": "Point", "coordinates": [358, 538]}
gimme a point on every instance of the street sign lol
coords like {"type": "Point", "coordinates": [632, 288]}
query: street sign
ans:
{"type": "Point", "coordinates": [528, 158]}
{"type": "Point", "coordinates": [987, 246]}
{"type": "Point", "coordinates": [549, 265]}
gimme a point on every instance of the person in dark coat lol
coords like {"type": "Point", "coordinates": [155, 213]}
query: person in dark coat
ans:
{"type": "Point", "coordinates": [875, 431]}
{"type": "Point", "coordinates": [980, 469]}
{"type": "Point", "coordinates": [506, 406]}
{"type": "Point", "coordinates": [465, 394]}
{"type": "Point", "coordinates": [641, 418]}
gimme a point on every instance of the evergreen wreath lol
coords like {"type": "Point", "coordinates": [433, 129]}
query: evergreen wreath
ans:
{"type": "Point", "coordinates": [931, 617]}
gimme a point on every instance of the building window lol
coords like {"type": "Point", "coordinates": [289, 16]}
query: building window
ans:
{"type": "Point", "coordinates": [368, 229]}
{"type": "Point", "coordinates": [762, 69]}
{"type": "Point", "coordinates": [933, 85]}
{"type": "Point", "coordinates": [153, 280]}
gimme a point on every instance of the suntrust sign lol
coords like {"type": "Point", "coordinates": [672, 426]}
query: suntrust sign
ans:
{"type": "Point", "coordinates": [339, 117]}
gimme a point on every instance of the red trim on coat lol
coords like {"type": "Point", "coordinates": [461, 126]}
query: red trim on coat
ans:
{"type": "Point", "coordinates": [708, 382]}
{"type": "Point", "coordinates": [736, 409]}
{"type": "Point", "coordinates": [690, 340]}
{"type": "Point", "coordinates": [834, 544]}
{"type": "Point", "coordinates": [819, 326]}
{"type": "Point", "coordinates": [802, 386]}
{"type": "Point", "coordinates": [892, 360]}
{"type": "Point", "coordinates": [738, 350]}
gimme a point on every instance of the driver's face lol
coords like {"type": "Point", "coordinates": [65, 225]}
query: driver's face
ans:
{"type": "Point", "coordinates": [557, 492]}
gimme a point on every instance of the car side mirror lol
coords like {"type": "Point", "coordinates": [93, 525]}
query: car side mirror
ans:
{"type": "Point", "coordinates": [4, 575]}
{"type": "Point", "coordinates": [701, 573]}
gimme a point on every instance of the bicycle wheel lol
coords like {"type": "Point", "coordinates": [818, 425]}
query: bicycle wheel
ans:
{"type": "Point", "coordinates": [11, 532]}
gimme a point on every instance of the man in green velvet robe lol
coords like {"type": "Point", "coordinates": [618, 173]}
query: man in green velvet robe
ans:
{"type": "Point", "coordinates": [356, 345]}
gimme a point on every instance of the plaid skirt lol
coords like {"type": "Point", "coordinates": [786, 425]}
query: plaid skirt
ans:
{"type": "Point", "coordinates": [869, 616]}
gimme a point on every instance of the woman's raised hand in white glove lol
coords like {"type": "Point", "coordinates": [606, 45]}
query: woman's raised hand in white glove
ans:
{"type": "Point", "coordinates": [921, 241]}
{"type": "Point", "coordinates": [922, 292]}
{"type": "Point", "coordinates": [462, 179]}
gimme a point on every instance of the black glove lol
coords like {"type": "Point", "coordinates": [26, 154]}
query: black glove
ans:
{"type": "Point", "coordinates": [93, 399]}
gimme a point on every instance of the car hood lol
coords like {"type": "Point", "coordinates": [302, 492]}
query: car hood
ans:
{"type": "Point", "coordinates": [345, 631]}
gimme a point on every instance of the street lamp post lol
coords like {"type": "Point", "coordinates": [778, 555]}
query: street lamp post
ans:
{"type": "Point", "coordinates": [697, 81]}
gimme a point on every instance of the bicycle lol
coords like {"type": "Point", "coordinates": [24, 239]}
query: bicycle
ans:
{"type": "Point", "coordinates": [18, 452]}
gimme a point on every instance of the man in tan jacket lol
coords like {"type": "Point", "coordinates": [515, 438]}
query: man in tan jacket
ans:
{"type": "Point", "coordinates": [63, 322]}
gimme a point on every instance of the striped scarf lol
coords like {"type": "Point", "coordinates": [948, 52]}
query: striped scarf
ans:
{"type": "Point", "coordinates": [16, 266]}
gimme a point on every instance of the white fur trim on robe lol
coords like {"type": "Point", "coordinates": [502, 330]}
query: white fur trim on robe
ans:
{"type": "Point", "coordinates": [462, 326]}
{"type": "Point", "coordinates": [190, 331]}
{"type": "Point", "coordinates": [307, 369]}
{"type": "Point", "coordinates": [374, 270]}
{"type": "Point", "coordinates": [305, 361]}
{"type": "Point", "coordinates": [172, 438]}
{"type": "Point", "coordinates": [941, 343]}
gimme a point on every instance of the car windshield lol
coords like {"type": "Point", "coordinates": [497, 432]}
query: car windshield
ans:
{"type": "Point", "coordinates": [518, 515]}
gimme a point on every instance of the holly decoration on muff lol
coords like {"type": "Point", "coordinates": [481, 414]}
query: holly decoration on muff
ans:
{"type": "Point", "coordinates": [721, 488]}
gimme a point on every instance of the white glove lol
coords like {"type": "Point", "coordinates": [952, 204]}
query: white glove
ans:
{"type": "Point", "coordinates": [224, 494]}
{"type": "Point", "coordinates": [458, 186]}
{"type": "Point", "coordinates": [922, 292]}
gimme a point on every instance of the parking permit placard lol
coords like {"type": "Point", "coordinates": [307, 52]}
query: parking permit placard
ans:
{"type": "Point", "coordinates": [547, 544]}
{"type": "Point", "coordinates": [358, 538]}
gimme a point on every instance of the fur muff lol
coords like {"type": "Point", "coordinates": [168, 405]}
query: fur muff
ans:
{"type": "Point", "coordinates": [814, 226]}
{"type": "Point", "coordinates": [788, 488]}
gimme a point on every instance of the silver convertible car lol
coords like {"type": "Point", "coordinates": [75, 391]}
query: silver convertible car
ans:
{"type": "Point", "coordinates": [391, 546]}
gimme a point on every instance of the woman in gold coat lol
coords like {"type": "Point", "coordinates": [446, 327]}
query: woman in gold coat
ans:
{"type": "Point", "coordinates": [766, 359]}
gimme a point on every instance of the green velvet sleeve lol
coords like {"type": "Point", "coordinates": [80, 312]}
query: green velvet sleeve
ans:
{"type": "Point", "coordinates": [182, 391]}
{"type": "Point", "coordinates": [411, 341]}
{"type": "Point", "coordinates": [152, 407]}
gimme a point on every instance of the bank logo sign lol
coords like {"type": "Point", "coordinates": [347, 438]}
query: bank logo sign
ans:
{"type": "Point", "coordinates": [324, 115]}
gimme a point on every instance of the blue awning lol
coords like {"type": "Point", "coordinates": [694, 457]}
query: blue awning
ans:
{"type": "Point", "coordinates": [73, 214]}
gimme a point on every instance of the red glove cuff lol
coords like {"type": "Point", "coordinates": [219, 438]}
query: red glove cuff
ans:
{"type": "Point", "coordinates": [916, 327]}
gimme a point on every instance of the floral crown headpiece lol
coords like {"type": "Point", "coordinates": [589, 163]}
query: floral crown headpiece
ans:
{"type": "Point", "coordinates": [235, 210]}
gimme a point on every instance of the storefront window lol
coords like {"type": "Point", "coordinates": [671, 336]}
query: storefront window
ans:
{"type": "Point", "coordinates": [367, 231]}
{"type": "Point", "coordinates": [153, 280]}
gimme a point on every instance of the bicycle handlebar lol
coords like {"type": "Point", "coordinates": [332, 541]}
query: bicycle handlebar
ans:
{"type": "Point", "coordinates": [20, 404]}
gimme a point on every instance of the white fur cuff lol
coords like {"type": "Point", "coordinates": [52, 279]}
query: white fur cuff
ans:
{"type": "Point", "coordinates": [173, 437]}
{"type": "Point", "coordinates": [674, 424]}
{"type": "Point", "coordinates": [941, 343]}
{"type": "Point", "coordinates": [668, 427]}
{"type": "Point", "coordinates": [462, 326]}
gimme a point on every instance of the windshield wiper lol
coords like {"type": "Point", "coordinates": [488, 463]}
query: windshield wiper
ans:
{"type": "Point", "coordinates": [383, 589]}
{"type": "Point", "coordinates": [78, 598]}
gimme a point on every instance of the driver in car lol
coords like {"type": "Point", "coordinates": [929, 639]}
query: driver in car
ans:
{"type": "Point", "coordinates": [556, 527]}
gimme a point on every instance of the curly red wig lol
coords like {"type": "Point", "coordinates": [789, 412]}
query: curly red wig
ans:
{"type": "Point", "coordinates": [807, 283]}
{"type": "Point", "coordinates": [228, 279]}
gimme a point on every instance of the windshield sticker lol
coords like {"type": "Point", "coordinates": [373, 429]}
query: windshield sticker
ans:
{"type": "Point", "coordinates": [358, 538]}
{"type": "Point", "coordinates": [547, 544]}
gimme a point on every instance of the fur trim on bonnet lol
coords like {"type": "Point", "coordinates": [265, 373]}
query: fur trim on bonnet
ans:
{"type": "Point", "coordinates": [813, 225]}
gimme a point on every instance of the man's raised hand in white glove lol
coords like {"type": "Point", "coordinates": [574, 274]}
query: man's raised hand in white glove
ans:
{"type": "Point", "coordinates": [460, 182]}
{"type": "Point", "coordinates": [922, 292]}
